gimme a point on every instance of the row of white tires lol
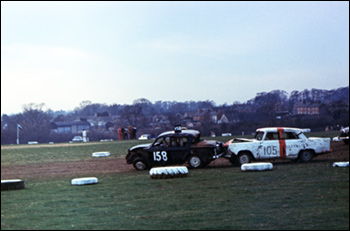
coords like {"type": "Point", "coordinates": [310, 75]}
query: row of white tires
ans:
{"type": "Point", "coordinates": [182, 171]}
{"type": "Point", "coordinates": [174, 172]}
{"type": "Point", "coordinates": [155, 173]}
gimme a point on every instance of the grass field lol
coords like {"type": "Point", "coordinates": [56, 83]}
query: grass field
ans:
{"type": "Point", "coordinates": [291, 196]}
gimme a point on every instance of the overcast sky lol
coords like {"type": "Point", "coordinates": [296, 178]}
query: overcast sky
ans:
{"type": "Point", "coordinates": [62, 53]}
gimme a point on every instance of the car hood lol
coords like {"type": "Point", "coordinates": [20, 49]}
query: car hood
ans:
{"type": "Point", "coordinates": [140, 146]}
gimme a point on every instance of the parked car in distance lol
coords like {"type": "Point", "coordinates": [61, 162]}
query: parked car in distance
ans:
{"type": "Point", "coordinates": [77, 139]}
{"type": "Point", "coordinates": [174, 148]}
{"type": "Point", "coordinates": [145, 137]}
{"type": "Point", "coordinates": [277, 142]}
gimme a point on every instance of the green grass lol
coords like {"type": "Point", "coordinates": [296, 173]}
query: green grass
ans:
{"type": "Point", "coordinates": [291, 196]}
{"type": "Point", "coordinates": [12, 155]}
{"type": "Point", "coordinates": [24, 154]}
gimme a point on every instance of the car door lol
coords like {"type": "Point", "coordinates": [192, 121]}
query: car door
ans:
{"type": "Point", "coordinates": [293, 144]}
{"type": "Point", "coordinates": [158, 153]}
{"type": "Point", "coordinates": [179, 149]}
{"type": "Point", "coordinates": [169, 150]}
{"type": "Point", "coordinates": [270, 147]}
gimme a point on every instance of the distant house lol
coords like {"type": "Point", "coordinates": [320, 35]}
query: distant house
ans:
{"type": "Point", "coordinates": [204, 114]}
{"type": "Point", "coordinates": [199, 116]}
{"type": "Point", "coordinates": [229, 117]}
{"type": "Point", "coordinates": [102, 123]}
{"type": "Point", "coordinates": [219, 117]}
{"type": "Point", "coordinates": [314, 109]}
{"type": "Point", "coordinates": [207, 115]}
{"type": "Point", "coordinates": [73, 127]}
{"type": "Point", "coordinates": [307, 109]}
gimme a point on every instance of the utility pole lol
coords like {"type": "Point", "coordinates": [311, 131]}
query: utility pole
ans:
{"type": "Point", "coordinates": [18, 128]}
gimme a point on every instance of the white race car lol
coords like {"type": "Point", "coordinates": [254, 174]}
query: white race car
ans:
{"type": "Point", "coordinates": [277, 142]}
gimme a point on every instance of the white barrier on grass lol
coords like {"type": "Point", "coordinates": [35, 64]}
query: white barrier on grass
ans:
{"type": "Point", "coordinates": [256, 166]}
{"type": "Point", "coordinates": [341, 164]}
{"type": "Point", "coordinates": [168, 172]}
{"type": "Point", "coordinates": [100, 154]}
{"type": "Point", "coordinates": [84, 181]}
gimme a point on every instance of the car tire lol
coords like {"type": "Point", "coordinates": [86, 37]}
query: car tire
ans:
{"type": "Point", "coordinates": [140, 164]}
{"type": "Point", "coordinates": [168, 172]}
{"type": "Point", "coordinates": [233, 160]}
{"type": "Point", "coordinates": [194, 161]}
{"type": "Point", "coordinates": [306, 156]}
{"type": "Point", "coordinates": [244, 158]}
{"type": "Point", "coordinates": [12, 184]}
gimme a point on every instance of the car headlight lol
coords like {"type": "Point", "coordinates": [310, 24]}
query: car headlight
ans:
{"type": "Point", "coordinates": [218, 146]}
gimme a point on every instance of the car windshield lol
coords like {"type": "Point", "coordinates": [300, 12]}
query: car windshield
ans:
{"type": "Point", "coordinates": [196, 138]}
{"type": "Point", "coordinates": [259, 135]}
{"type": "Point", "coordinates": [162, 141]}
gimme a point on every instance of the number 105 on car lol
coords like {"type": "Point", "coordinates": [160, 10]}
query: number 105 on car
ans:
{"type": "Point", "coordinates": [270, 150]}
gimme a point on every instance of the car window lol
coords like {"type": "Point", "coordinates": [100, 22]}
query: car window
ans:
{"type": "Point", "coordinates": [196, 139]}
{"type": "Point", "coordinates": [259, 135]}
{"type": "Point", "coordinates": [166, 142]}
{"type": "Point", "coordinates": [289, 135]}
{"type": "Point", "coordinates": [271, 136]}
{"type": "Point", "coordinates": [179, 141]}
{"type": "Point", "coordinates": [163, 142]}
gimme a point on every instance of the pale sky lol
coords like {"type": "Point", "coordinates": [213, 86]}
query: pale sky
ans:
{"type": "Point", "coordinates": [63, 53]}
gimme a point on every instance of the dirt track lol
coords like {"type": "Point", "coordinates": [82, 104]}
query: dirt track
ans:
{"type": "Point", "coordinates": [109, 165]}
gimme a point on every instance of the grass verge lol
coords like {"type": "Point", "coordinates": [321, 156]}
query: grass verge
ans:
{"type": "Point", "coordinates": [291, 196]}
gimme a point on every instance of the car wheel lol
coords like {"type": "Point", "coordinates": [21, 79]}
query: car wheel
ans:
{"type": "Point", "coordinates": [306, 156]}
{"type": "Point", "coordinates": [233, 160]}
{"type": "Point", "coordinates": [244, 158]}
{"type": "Point", "coordinates": [194, 161]}
{"type": "Point", "coordinates": [140, 164]}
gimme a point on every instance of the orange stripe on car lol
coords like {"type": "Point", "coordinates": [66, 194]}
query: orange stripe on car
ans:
{"type": "Point", "coordinates": [282, 143]}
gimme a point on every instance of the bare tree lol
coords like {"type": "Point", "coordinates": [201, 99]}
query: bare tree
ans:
{"type": "Point", "coordinates": [35, 123]}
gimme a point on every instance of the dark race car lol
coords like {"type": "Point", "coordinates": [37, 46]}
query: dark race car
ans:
{"type": "Point", "coordinates": [173, 148]}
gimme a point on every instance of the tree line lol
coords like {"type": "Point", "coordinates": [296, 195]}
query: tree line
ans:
{"type": "Point", "coordinates": [263, 110]}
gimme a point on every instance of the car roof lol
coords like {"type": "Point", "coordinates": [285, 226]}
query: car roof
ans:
{"type": "Point", "coordinates": [286, 129]}
{"type": "Point", "coordinates": [183, 132]}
